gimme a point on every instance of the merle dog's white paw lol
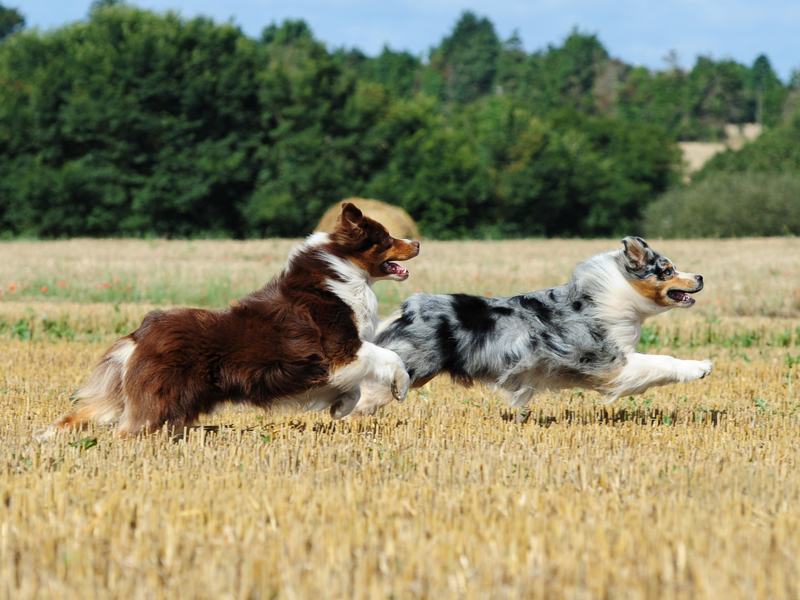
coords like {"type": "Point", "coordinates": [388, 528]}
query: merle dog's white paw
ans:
{"type": "Point", "coordinates": [708, 366]}
{"type": "Point", "coordinates": [697, 369]}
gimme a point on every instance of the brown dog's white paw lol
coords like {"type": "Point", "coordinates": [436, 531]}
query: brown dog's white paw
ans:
{"type": "Point", "coordinates": [400, 385]}
{"type": "Point", "coordinates": [46, 434]}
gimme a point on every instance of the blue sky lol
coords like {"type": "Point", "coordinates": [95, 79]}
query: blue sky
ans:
{"type": "Point", "coordinates": [636, 31]}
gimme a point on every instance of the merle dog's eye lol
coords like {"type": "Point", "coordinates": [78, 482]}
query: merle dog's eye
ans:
{"type": "Point", "coordinates": [667, 272]}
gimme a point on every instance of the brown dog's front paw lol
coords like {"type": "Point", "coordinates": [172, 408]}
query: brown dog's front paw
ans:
{"type": "Point", "coordinates": [400, 385]}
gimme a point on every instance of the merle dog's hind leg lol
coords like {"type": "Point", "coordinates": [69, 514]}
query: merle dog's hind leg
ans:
{"type": "Point", "coordinates": [374, 396]}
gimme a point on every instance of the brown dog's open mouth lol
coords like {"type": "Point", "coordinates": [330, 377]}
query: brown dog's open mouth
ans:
{"type": "Point", "coordinates": [390, 268]}
{"type": "Point", "coordinates": [681, 297]}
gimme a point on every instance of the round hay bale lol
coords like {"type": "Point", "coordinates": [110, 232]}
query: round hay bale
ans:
{"type": "Point", "coordinates": [398, 222]}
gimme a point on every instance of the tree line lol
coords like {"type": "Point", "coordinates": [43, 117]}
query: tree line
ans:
{"type": "Point", "coordinates": [137, 123]}
{"type": "Point", "coordinates": [754, 191]}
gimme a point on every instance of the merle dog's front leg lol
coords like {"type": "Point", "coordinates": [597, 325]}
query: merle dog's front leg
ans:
{"type": "Point", "coordinates": [643, 371]}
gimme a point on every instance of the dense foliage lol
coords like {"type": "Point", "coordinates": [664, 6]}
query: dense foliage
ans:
{"type": "Point", "coordinates": [10, 21]}
{"type": "Point", "coordinates": [136, 123]}
{"type": "Point", "coordinates": [754, 191]}
{"type": "Point", "coordinates": [777, 151]}
{"type": "Point", "coordinates": [728, 205]}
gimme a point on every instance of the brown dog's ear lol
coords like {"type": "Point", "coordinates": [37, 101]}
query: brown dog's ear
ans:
{"type": "Point", "coordinates": [351, 215]}
{"type": "Point", "coordinates": [636, 250]}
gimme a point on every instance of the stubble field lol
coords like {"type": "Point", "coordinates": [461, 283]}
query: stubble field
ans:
{"type": "Point", "coordinates": [690, 491]}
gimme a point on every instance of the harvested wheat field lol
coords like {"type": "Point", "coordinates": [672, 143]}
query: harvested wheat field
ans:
{"type": "Point", "coordinates": [691, 491]}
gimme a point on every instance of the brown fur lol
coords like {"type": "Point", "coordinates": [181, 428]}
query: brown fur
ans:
{"type": "Point", "coordinates": [397, 221]}
{"type": "Point", "coordinates": [277, 343]}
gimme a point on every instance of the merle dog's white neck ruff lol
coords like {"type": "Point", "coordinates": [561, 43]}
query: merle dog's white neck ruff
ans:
{"type": "Point", "coordinates": [618, 303]}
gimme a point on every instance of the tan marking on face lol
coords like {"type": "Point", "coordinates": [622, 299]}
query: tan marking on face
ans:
{"type": "Point", "coordinates": [372, 260]}
{"type": "Point", "coordinates": [656, 290]}
{"type": "Point", "coordinates": [649, 288]}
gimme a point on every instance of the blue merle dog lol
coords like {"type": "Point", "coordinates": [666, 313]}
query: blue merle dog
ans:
{"type": "Point", "coordinates": [582, 334]}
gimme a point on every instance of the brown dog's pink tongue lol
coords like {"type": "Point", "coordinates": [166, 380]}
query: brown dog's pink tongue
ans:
{"type": "Point", "coordinates": [395, 268]}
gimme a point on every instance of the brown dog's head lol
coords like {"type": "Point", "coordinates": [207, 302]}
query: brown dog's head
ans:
{"type": "Point", "coordinates": [367, 244]}
{"type": "Point", "coordinates": [656, 278]}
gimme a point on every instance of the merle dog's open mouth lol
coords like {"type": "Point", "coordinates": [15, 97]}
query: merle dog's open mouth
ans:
{"type": "Point", "coordinates": [682, 297]}
{"type": "Point", "coordinates": [391, 268]}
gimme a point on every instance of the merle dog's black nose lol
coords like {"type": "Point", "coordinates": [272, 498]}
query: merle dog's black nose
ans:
{"type": "Point", "coordinates": [699, 278]}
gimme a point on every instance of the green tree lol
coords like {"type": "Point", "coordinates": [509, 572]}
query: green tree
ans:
{"type": "Point", "coordinates": [572, 174]}
{"type": "Point", "coordinates": [396, 71]}
{"type": "Point", "coordinates": [10, 21]}
{"type": "Point", "coordinates": [493, 168]}
{"type": "Point", "coordinates": [565, 76]}
{"type": "Point", "coordinates": [323, 131]}
{"type": "Point", "coordinates": [511, 66]}
{"type": "Point", "coordinates": [697, 104]}
{"type": "Point", "coordinates": [728, 205]}
{"type": "Point", "coordinates": [768, 94]}
{"type": "Point", "coordinates": [135, 123]}
{"type": "Point", "coordinates": [776, 151]}
{"type": "Point", "coordinates": [288, 33]}
{"type": "Point", "coordinates": [467, 59]}
{"type": "Point", "coordinates": [655, 98]}
{"type": "Point", "coordinates": [434, 170]}
{"type": "Point", "coordinates": [128, 123]}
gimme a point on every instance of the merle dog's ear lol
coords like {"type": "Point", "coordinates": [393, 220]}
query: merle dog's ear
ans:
{"type": "Point", "coordinates": [351, 216]}
{"type": "Point", "coordinates": [636, 251]}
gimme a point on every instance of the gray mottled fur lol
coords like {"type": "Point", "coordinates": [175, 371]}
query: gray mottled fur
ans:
{"type": "Point", "coordinates": [581, 334]}
{"type": "Point", "coordinates": [546, 339]}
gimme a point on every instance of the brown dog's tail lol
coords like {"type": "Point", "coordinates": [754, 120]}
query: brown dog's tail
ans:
{"type": "Point", "coordinates": [102, 399]}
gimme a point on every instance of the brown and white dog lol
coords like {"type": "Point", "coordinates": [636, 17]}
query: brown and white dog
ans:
{"type": "Point", "coordinates": [305, 339]}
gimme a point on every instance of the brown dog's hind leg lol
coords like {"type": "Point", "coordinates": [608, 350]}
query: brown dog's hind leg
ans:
{"type": "Point", "coordinates": [78, 418]}
{"type": "Point", "coordinates": [143, 414]}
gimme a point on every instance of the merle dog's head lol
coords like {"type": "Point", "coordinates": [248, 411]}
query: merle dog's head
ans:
{"type": "Point", "coordinates": [655, 277]}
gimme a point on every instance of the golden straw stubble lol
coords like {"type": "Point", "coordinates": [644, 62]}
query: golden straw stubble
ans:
{"type": "Point", "coordinates": [690, 491]}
